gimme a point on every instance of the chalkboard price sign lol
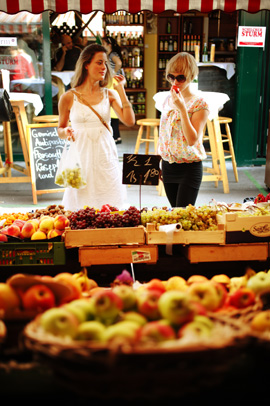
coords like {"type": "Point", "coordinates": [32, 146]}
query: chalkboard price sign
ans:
{"type": "Point", "coordinates": [141, 169]}
{"type": "Point", "coordinates": [46, 149]}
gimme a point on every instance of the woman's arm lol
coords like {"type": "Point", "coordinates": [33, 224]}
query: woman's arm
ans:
{"type": "Point", "coordinates": [117, 62]}
{"type": "Point", "coordinates": [64, 106]}
{"type": "Point", "coordinates": [192, 127]}
{"type": "Point", "coordinates": [125, 112]}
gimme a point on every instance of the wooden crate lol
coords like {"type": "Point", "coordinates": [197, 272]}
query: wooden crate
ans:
{"type": "Point", "coordinates": [104, 236]}
{"type": "Point", "coordinates": [227, 252]}
{"type": "Point", "coordinates": [242, 229]}
{"type": "Point", "coordinates": [154, 236]}
{"type": "Point", "coordinates": [118, 255]}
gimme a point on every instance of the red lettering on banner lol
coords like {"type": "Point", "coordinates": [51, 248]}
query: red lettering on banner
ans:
{"type": "Point", "coordinates": [252, 32]}
{"type": "Point", "coordinates": [158, 6]}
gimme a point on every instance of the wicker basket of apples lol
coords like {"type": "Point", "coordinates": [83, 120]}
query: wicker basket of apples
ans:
{"type": "Point", "coordinates": [169, 334]}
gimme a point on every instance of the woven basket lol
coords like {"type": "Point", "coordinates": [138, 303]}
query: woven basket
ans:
{"type": "Point", "coordinates": [132, 371]}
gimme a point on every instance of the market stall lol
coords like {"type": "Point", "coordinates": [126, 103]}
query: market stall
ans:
{"type": "Point", "coordinates": [177, 360]}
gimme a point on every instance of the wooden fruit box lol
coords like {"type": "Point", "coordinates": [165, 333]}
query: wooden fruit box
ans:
{"type": "Point", "coordinates": [118, 255]}
{"type": "Point", "coordinates": [227, 252]}
{"type": "Point", "coordinates": [241, 229]}
{"type": "Point", "coordinates": [104, 236]}
{"type": "Point", "coordinates": [154, 236]}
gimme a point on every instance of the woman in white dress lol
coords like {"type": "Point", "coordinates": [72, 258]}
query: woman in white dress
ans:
{"type": "Point", "coordinates": [92, 132]}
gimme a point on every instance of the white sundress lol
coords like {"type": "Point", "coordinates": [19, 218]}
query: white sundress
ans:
{"type": "Point", "coordinates": [99, 158]}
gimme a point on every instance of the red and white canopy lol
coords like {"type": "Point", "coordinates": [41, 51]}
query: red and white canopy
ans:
{"type": "Point", "coordinates": [132, 6]}
{"type": "Point", "coordinates": [20, 23]}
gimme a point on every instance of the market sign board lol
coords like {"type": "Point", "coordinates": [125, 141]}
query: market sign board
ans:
{"type": "Point", "coordinates": [8, 42]}
{"type": "Point", "coordinates": [251, 36]}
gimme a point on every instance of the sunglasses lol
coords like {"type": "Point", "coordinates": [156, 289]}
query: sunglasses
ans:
{"type": "Point", "coordinates": [179, 78]}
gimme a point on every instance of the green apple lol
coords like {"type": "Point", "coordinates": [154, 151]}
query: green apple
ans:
{"type": "Point", "coordinates": [134, 316]}
{"type": "Point", "coordinates": [128, 296]}
{"type": "Point", "coordinates": [156, 331]}
{"type": "Point", "coordinates": [122, 330]}
{"type": "Point", "coordinates": [261, 321]}
{"type": "Point", "coordinates": [92, 330]}
{"type": "Point", "coordinates": [84, 306]}
{"type": "Point", "coordinates": [60, 322]}
{"type": "Point", "coordinates": [176, 307]}
{"type": "Point", "coordinates": [106, 306]}
{"type": "Point", "coordinates": [201, 326]}
{"type": "Point", "coordinates": [259, 283]}
{"type": "Point", "coordinates": [206, 294]}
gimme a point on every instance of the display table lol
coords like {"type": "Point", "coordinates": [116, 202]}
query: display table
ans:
{"type": "Point", "coordinates": [33, 98]}
{"type": "Point", "coordinates": [35, 85]}
{"type": "Point", "coordinates": [65, 76]}
{"type": "Point", "coordinates": [229, 67]}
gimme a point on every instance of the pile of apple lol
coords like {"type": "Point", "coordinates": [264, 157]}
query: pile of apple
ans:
{"type": "Point", "coordinates": [24, 294]}
{"type": "Point", "coordinates": [45, 227]}
{"type": "Point", "coordinates": [155, 313]}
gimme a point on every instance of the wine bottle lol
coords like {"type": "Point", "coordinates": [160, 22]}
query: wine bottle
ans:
{"type": "Point", "coordinates": [205, 53]}
{"type": "Point", "coordinates": [169, 26]}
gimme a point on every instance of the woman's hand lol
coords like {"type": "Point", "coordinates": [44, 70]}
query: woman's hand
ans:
{"type": "Point", "coordinates": [178, 99]}
{"type": "Point", "coordinates": [69, 132]}
{"type": "Point", "coordinates": [120, 79]}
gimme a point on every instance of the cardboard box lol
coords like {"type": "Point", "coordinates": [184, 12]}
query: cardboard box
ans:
{"type": "Point", "coordinates": [154, 236]}
{"type": "Point", "coordinates": [228, 252]}
{"type": "Point", "coordinates": [243, 228]}
{"type": "Point", "coordinates": [104, 236]}
{"type": "Point", "coordinates": [118, 255]}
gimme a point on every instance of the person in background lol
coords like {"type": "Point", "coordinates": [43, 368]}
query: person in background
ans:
{"type": "Point", "coordinates": [93, 133]}
{"type": "Point", "coordinates": [115, 59]}
{"type": "Point", "coordinates": [67, 55]}
{"type": "Point", "coordinates": [182, 122]}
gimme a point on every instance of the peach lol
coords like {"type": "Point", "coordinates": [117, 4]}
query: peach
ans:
{"type": "Point", "coordinates": [27, 230]}
{"type": "Point", "coordinates": [39, 235]}
{"type": "Point", "coordinates": [35, 223]}
{"type": "Point", "coordinates": [3, 237]}
{"type": "Point", "coordinates": [75, 288]}
{"type": "Point", "coordinates": [54, 233]}
{"type": "Point", "coordinates": [19, 223]}
{"type": "Point", "coordinates": [13, 230]}
{"type": "Point", "coordinates": [61, 222]}
{"type": "Point", "coordinates": [46, 224]}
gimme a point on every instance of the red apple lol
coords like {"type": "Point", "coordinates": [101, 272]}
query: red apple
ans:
{"type": "Point", "coordinates": [156, 331]}
{"type": "Point", "coordinates": [38, 298]}
{"type": "Point", "coordinates": [156, 284]}
{"type": "Point", "coordinates": [147, 303]}
{"type": "Point", "coordinates": [242, 297]}
{"type": "Point", "coordinates": [106, 306]}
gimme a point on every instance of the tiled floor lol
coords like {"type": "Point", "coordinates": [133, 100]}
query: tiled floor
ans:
{"type": "Point", "coordinates": [251, 182]}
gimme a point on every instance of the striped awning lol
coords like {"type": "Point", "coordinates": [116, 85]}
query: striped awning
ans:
{"type": "Point", "coordinates": [132, 6]}
{"type": "Point", "coordinates": [20, 23]}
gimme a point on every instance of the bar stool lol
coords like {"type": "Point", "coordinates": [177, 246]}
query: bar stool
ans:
{"type": "Point", "coordinates": [46, 119]}
{"type": "Point", "coordinates": [147, 123]}
{"type": "Point", "coordinates": [227, 137]}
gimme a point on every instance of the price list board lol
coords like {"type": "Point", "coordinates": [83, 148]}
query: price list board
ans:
{"type": "Point", "coordinates": [141, 169]}
{"type": "Point", "coordinates": [45, 150]}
